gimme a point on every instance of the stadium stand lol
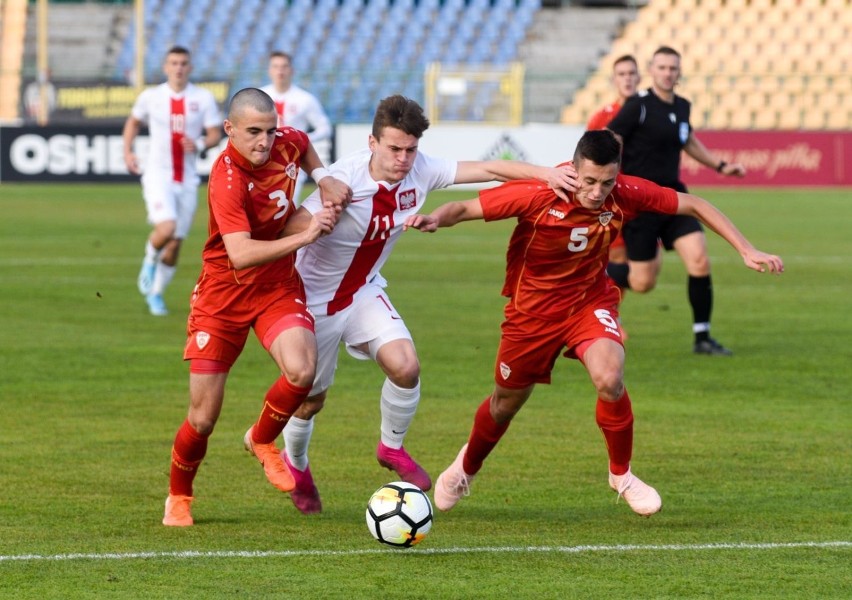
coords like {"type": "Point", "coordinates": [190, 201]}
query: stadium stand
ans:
{"type": "Point", "coordinates": [349, 53]}
{"type": "Point", "coordinates": [747, 64]}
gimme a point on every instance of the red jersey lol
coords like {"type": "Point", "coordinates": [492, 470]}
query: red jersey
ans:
{"type": "Point", "coordinates": [242, 197]}
{"type": "Point", "coordinates": [601, 119]}
{"type": "Point", "coordinates": [559, 250]}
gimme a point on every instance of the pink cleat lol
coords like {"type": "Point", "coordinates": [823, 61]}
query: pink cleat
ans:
{"type": "Point", "coordinates": [400, 461]}
{"type": "Point", "coordinates": [641, 497]}
{"type": "Point", "coordinates": [452, 484]}
{"type": "Point", "coordinates": [305, 495]}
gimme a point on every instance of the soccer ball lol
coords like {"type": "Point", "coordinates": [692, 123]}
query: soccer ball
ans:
{"type": "Point", "coordinates": [399, 514]}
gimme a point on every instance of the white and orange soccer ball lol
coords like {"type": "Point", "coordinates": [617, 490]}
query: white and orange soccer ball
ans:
{"type": "Point", "coordinates": [399, 514]}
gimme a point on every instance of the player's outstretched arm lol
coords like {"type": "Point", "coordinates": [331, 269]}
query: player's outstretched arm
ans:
{"type": "Point", "coordinates": [561, 180]}
{"type": "Point", "coordinates": [445, 215]}
{"type": "Point", "coordinates": [245, 252]}
{"type": "Point", "coordinates": [716, 220]}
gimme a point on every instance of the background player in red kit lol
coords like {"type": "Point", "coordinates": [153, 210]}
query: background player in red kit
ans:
{"type": "Point", "coordinates": [249, 280]}
{"type": "Point", "coordinates": [561, 299]}
{"type": "Point", "coordinates": [625, 78]}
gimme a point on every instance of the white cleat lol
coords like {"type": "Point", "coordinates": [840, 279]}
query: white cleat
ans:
{"type": "Point", "coordinates": [452, 484]}
{"type": "Point", "coordinates": [641, 497]}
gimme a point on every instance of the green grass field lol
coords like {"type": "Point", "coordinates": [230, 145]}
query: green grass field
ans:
{"type": "Point", "coordinates": [751, 454]}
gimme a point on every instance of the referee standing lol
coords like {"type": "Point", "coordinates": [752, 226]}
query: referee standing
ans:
{"type": "Point", "coordinates": [654, 128]}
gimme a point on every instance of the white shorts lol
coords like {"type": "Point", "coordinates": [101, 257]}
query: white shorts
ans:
{"type": "Point", "coordinates": [371, 319]}
{"type": "Point", "coordinates": [167, 200]}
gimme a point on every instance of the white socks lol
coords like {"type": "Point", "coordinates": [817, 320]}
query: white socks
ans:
{"type": "Point", "coordinates": [297, 437]}
{"type": "Point", "coordinates": [151, 253]}
{"type": "Point", "coordinates": [398, 408]}
{"type": "Point", "coordinates": [162, 277]}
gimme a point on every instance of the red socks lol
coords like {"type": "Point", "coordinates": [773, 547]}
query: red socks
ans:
{"type": "Point", "coordinates": [616, 422]}
{"type": "Point", "coordinates": [281, 401]}
{"type": "Point", "coordinates": [483, 438]}
{"type": "Point", "coordinates": [187, 453]}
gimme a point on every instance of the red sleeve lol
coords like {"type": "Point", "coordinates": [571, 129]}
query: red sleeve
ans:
{"type": "Point", "coordinates": [227, 201]}
{"type": "Point", "coordinates": [599, 120]}
{"type": "Point", "coordinates": [640, 195]}
{"type": "Point", "coordinates": [514, 199]}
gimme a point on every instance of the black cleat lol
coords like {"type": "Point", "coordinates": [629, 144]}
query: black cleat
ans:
{"type": "Point", "coordinates": [712, 347]}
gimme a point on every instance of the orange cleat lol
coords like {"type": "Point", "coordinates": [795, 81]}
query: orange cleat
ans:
{"type": "Point", "coordinates": [177, 511]}
{"type": "Point", "coordinates": [270, 457]}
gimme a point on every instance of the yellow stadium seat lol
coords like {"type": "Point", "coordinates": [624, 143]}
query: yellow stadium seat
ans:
{"type": "Point", "coordinates": [718, 119]}
{"type": "Point", "coordinates": [794, 84]}
{"type": "Point", "coordinates": [842, 85]}
{"type": "Point", "coordinates": [789, 119]}
{"type": "Point", "coordinates": [766, 119]}
{"type": "Point", "coordinates": [839, 120]}
{"type": "Point", "coordinates": [814, 119]}
{"type": "Point", "coordinates": [741, 119]}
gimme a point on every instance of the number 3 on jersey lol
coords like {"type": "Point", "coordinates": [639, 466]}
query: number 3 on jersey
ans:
{"type": "Point", "coordinates": [280, 200]}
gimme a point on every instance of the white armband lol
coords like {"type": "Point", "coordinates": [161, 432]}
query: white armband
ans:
{"type": "Point", "coordinates": [201, 144]}
{"type": "Point", "coordinates": [319, 173]}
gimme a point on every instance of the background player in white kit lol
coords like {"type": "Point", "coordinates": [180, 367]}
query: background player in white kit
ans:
{"type": "Point", "coordinates": [296, 108]}
{"type": "Point", "coordinates": [345, 291]}
{"type": "Point", "coordinates": [183, 120]}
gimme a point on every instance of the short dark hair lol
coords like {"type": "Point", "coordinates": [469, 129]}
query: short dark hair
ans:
{"type": "Point", "coordinates": [253, 98]}
{"type": "Point", "coordinates": [280, 54]}
{"type": "Point", "coordinates": [600, 146]}
{"type": "Point", "coordinates": [624, 58]}
{"type": "Point", "coordinates": [401, 113]}
{"type": "Point", "coordinates": [666, 50]}
{"type": "Point", "coordinates": [178, 50]}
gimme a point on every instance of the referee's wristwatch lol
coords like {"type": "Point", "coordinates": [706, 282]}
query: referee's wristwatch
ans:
{"type": "Point", "coordinates": [721, 166]}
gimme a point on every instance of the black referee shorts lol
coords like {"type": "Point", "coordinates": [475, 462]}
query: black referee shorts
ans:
{"type": "Point", "coordinates": [643, 234]}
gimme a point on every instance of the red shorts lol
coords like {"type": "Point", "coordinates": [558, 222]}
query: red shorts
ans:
{"type": "Point", "coordinates": [222, 313]}
{"type": "Point", "coordinates": [529, 346]}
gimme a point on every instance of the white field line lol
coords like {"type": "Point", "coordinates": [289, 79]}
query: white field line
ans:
{"type": "Point", "coordinates": [189, 554]}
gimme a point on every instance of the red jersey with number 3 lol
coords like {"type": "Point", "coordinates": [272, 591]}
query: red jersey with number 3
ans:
{"type": "Point", "coordinates": [257, 200]}
{"type": "Point", "coordinates": [559, 250]}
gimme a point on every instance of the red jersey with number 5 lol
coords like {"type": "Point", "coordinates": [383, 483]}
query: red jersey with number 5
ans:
{"type": "Point", "coordinates": [257, 200]}
{"type": "Point", "coordinates": [559, 250]}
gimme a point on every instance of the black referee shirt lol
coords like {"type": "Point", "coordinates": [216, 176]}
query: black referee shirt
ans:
{"type": "Point", "coordinates": [654, 133]}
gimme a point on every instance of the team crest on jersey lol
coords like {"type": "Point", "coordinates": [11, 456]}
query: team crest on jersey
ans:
{"type": "Point", "coordinates": [605, 218]}
{"type": "Point", "coordinates": [291, 170]}
{"type": "Point", "coordinates": [201, 339]}
{"type": "Point", "coordinates": [407, 199]}
{"type": "Point", "coordinates": [505, 371]}
{"type": "Point", "coordinates": [193, 106]}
